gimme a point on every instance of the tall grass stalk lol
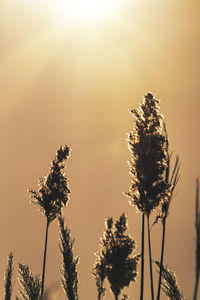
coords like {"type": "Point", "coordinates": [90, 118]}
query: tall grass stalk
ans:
{"type": "Point", "coordinates": [161, 259]}
{"type": "Point", "coordinates": [44, 257]}
{"type": "Point", "coordinates": [142, 258]}
{"type": "Point", "coordinates": [148, 145]}
{"type": "Point", "coordinates": [150, 260]}
{"type": "Point", "coordinates": [197, 227]}
{"type": "Point", "coordinates": [52, 195]}
{"type": "Point", "coordinates": [165, 208]}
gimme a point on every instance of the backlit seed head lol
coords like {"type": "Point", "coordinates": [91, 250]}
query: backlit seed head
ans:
{"type": "Point", "coordinates": [148, 144]}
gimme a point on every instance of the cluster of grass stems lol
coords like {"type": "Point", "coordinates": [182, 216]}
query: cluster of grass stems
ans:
{"type": "Point", "coordinates": [153, 181]}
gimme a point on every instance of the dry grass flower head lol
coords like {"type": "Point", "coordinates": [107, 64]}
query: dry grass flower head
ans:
{"type": "Point", "coordinates": [69, 276]}
{"type": "Point", "coordinates": [115, 261]}
{"type": "Point", "coordinates": [169, 283]}
{"type": "Point", "coordinates": [149, 148]}
{"type": "Point", "coordinates": [8, 286]}
{"type": "Point", "coordinates": [30, 283]}
{"type": "Point", "coordinates": [53, 190]}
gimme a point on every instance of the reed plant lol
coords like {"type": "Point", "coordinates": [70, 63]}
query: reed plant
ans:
{"type": "Point", "coordinates": [115, 261]}
{"type": "Point", "coordinates": [172, 181]}
{"type": "Point", "coordinates": [30, 283]}
{"type": "Point", "coordinates": [153, 182]}
{"type": "Point", "coordinates": [69, 276]}
{"type": "Point", "coordinates": [148, 145]}
{"type": "Point", "coordinates": [169, 283]}
{"type": "Point", "coordinates": [52, 195]}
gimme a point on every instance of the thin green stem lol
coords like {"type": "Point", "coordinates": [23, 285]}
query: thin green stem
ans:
{"type": "Point", "coordinates": [142, 258]}
{"type": "Point", "coordinates": [150, 260]}
{"type": "Point", "coordinates": [161, 258]}
{"type": "Point", "coordinates": [44, 259]}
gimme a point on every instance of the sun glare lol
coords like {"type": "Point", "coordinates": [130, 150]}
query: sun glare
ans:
{"type": "Point", "coordinates": [88, 11]}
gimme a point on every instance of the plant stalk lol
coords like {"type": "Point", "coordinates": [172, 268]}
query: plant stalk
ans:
{"type": "Point", "coordinates": [196, 286]}
{"type": "Point", "coordinates": [142, 258]}
{"type": "Point", "coordinates": [197, 226]}
{"type": "Point", "coordinates": [161, 257]}
{"type": "Point", "coordinates": [150, 260]}
{"type": "Point", "coordinates": [99, 295]}
{"type": "Point", "coordinates": [44, 259]}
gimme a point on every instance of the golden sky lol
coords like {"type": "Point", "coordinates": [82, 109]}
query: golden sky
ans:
{"type": "Point", "coordinates": [69, 81]}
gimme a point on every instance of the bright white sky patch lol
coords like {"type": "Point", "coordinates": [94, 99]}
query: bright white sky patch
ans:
{"type": "Point", "coordinates": [87, 11]}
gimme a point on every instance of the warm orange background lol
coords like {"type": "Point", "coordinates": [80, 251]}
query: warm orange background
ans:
{"type": "Point", "coordinates": [74, 85]}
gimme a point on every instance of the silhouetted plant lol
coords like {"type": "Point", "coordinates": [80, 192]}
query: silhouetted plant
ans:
{"type": "Point", "coordinates": [31, 284]}
{"type": "Point", "coordinates": [149, 147]}
{"type": "Point", "coordinates": [169, 283]}
{"type": "Point", "coordinates": [69, 276]}
{"type": "Point", "coordinates": [172, 181]}
{"type": "Point", "coordinates": [197, 227]}
{"type": "Point", "coordinates": [149, 153]}
{"type": "Point", "coordinates": [152, 187]}
{"type": "Point", "coordinates": [8, 278]}
{"type": "Point", "coordinates": [100, 275]}
{"type": "Point", "coordinates": [114, 259]}
{"type": "Point", "coordinates": [53, 193]}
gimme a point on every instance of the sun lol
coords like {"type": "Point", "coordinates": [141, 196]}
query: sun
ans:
{"type": "Point", "coordinates": [87, 11]}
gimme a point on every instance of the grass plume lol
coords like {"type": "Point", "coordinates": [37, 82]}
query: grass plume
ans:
{"type": "Point", "coordinates": [52, 195]}
{"type": "Point", "coordinates": [172, 181]}
{"type": "Point", "coordinates": [53, 190]}
{"type": "Point", "coordinates": [69, 277]}
{"type": "Point", "coordinates": [31, 284]}
{"type": "Point", "coordinates": [169, 283]}
{"type": "Point", "coordinates": [148, 145]}
{"type": "Point", "coordinates": [8, 278]}
{"type": "Point", "coordinates": [115, 256]}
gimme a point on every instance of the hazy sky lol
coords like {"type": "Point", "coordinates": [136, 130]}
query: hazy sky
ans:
{"type": "Point", "coordinates": [71, 82]}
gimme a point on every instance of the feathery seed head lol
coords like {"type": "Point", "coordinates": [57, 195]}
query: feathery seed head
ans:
{"type": "Point", "coordinates": [30, 283]}
{"type": "Point", "coordinates": [148, 145]}
{"type": "Point", "coordinates": [53, 190]}
{"type": "Point", "coordinates": [114, 261]}
{"type": "Point", "coordinates": [8, 286]}
{"type": "Point", "coordinates": [169, 283]}
{"type": "Point", "coordinates": [69, 276]}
